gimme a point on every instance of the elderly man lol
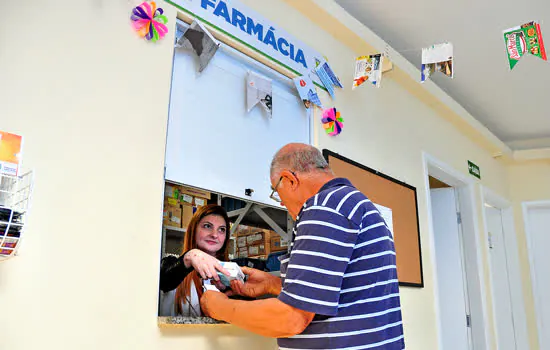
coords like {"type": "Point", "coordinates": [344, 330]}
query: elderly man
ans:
{"type": "Point", "coordinates": [338, 287]}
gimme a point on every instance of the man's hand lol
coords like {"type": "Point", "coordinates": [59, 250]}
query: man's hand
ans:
{"type": "Point", "coordinates": [211, 302]}
{"type": "Point", "coordinates": [258, 283]}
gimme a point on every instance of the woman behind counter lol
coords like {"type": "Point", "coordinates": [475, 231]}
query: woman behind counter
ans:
{"type": "Point", "coordinates": [204, 245]}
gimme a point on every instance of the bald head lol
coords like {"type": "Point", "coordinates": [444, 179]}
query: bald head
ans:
{"type": "Point", "coordinates": [300, 158]}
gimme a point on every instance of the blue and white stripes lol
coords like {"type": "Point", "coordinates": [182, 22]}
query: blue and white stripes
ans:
{"type": "Point", "coordinates": [342, 268]}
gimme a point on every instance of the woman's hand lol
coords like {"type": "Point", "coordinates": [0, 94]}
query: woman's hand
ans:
{"type": "Point", "coordinates": [206, 265]}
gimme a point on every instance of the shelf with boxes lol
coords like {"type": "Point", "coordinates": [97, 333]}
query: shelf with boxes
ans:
{"type": "Point", "coordinates": [253, 242]}
{"type": "Point", "coordinates": [257, 231]}
{"type": "Point", "coordinates": [180, 203]}
{"type": "Point", "coordinates": [175, 229]}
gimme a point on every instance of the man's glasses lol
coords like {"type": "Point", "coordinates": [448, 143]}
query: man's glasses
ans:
{"type": "Point", "coordinates": [274, 194]}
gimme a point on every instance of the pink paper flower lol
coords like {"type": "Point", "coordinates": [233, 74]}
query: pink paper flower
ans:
{"type": "Point", "coordinates": [149, 21]}
{"type": "Point", "coordinates": [332, 122]}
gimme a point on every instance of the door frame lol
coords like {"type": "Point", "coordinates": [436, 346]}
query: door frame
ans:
{"type": "Point", "coordinates": [465, 187]}
{"type": "Point", "coordinates": [514, 271]}
{"type": "Point", "coordinates": [525, 206]}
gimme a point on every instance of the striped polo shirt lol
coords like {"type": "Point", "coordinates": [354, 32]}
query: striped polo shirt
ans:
{"type": "Point", "coordinates": [341, 266]}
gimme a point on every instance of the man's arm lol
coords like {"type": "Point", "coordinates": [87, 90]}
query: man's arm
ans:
{"type": "Point", "coordinates": [257, 284]}
{"type": "Point", "coordinates": [267, 317]}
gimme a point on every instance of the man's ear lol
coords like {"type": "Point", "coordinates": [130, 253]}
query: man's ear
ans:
{"type": "Point", "coordinates": [292, 179]}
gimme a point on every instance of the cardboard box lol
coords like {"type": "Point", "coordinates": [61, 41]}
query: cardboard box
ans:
{"type": "Point", "coordinates": [187, 199]}
{"type": "Point", "coordinates": [278, 244]}
{"type": "Point", "coordinates": [256, 249]}
{"type": "Point", "coordinates": [171, 216]}
{"type": "Point", "coordinates": [243, 252]}
{"type": "Point", "coordinates": [171, 191]}
{"type": "Point", "coordinates": [182, 194]}
{"type": "Point", "coordinates": [171, 201]}
{"type": "Point", "coordinates": [195, 192]}
{"type": "Point", "coordinates": [199, 202]}
{"type": "Point", "coordinates": [187, 214]}
{"type": "Point", "coordinates": [241, 242]}
{"type": "Point", "coordinates": [268, 235]}
{"type": "Point", "coordinates": [261, 257]}
{"type": "Point", "coordinates": [255, 238]}
{"type": "Point", "coordinates": [242, 230]}
{"type": "Point", "coordinates": [235, 273]}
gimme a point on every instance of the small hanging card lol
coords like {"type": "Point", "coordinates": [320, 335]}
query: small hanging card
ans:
{"type": "Point", "coordinates": [198, 39]}
{"type": "Point", "coordinates": [307, 91]}
{"type": "Point", "coordinates": [437, 58]}
{"type": "Point", "coordinates": [258, 90]}
{"type": "Point", "coordinates": [368, 68]}
{"type": "Point", "coordinates": [522, 40]}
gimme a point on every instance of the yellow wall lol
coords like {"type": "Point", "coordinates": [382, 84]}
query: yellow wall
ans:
{"type": "Point", "coordinates": [529, 181]}
{"type": "Point", "coordinates": [388, 129]}
{"type": "Point", "coordinates": [91, 100]}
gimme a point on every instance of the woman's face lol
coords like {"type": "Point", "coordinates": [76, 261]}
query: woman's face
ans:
{"type": "Point", "coordinates": [211, 234]}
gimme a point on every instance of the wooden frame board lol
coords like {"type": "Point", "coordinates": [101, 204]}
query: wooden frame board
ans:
{"type": "Point", "coordinates": [401, 199]}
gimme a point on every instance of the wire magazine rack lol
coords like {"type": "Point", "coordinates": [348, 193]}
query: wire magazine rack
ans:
{"type": "Point", "coordinates": [15, 195]}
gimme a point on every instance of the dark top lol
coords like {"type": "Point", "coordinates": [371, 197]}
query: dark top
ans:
{"type": "Point", "coordinates": [172, 272]}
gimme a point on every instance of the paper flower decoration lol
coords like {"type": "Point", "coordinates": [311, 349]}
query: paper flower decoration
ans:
{"type": "Point", "coordinates": [332, 122]}
{"type": "Point", "coordinates": [149, 21]}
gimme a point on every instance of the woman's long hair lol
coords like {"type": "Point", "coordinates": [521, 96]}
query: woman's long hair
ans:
{"type": "Point", "coordinates": [183, 292]}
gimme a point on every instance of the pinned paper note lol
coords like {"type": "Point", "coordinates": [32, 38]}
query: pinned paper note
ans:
{"type": "Point", "coordinates": [327, 76]}
{"type": "Point", "coordinates": [524, 39]}
{"type": "Point", "coordinates": [368, 68]}
{"type": "Point", "coordinates": [198, 39]}
{"type": "Point", "coordinates": [258, 90]}
{"type": "Point", "coordinates": [149, 21]}
{"type": "Point", "coordinates": [387, 215]}
{"type": "Point", "coordinates": [10, 153]}
{"type": "Point", "coordinates": [307, 91]}
{"type": "Point", "coordinates": [437, 58]}
{"type": "Point", "coordinates": [333, 123]}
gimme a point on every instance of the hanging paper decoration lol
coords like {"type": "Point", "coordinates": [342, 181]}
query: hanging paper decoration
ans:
{"type": "Point", "coordinates": [307, 91]}
{"type": "Point", "coordinates": [437, 58]}
{"type": "Point", "coordinates": [524, 39]}
{"type": "Point", "coordinates": [198, 39]}
{"type": "Point", "coordinates": [333, 123]}
{"type": "Point", "coordinates": [258, 90]}
{"type": "Point", "coordinates": [368, 68]}
{"type": "Point", "coordinates": [327, 77]}
{"type": "Point", "coordinates": [149, 21]}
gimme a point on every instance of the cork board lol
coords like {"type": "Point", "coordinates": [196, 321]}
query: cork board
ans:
{"type": "Point", "coordinates": [401, 199]}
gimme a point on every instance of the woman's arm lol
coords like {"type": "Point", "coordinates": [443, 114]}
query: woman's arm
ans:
{"type": "Point", "coordinates": [173, 272]}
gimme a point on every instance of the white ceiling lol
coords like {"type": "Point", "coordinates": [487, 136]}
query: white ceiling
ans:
{"type": "Point", "coordinates": [514, 105]}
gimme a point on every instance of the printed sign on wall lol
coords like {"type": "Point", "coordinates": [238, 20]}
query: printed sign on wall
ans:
{"type": "Point", "coordinates": [251, 28]}
{"type": "Point", "coordinates": [10, 153]}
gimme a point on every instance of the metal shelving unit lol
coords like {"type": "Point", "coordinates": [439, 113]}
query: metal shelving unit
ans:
{"type": "Point", "coordinates": [15, 194]}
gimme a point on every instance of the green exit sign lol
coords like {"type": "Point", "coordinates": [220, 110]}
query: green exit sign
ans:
{"type": "Point", "coordinates": [474, 170]}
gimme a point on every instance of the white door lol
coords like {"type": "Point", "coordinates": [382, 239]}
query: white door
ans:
{"type": "Point", "coordinates": [502, 301]}
{"type": "Point", "coordinates": [538, 227]}
{"type": "Point", "coordinates": [453, 306]}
